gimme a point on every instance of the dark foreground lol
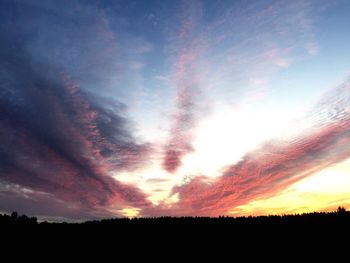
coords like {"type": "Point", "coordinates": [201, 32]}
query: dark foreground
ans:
{"type": "Point", "coordinates": [184, 234]}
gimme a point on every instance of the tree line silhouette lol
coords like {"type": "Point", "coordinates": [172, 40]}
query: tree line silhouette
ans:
{"type": "Point", "coordinates": [340, 216]}
{"type": "Point", "coordinates": [15, 219]}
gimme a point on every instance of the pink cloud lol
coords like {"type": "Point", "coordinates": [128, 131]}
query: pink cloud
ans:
{"type": "Point", "coordinates": [273, 166]}
{"type": "Point", "coordinates": [186, 79]}
{"type": "Point", "coordinates": [264, 172]}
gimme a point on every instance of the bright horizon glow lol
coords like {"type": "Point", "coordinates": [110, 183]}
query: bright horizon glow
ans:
{"type": "Point", "coordinates": [323, 191]}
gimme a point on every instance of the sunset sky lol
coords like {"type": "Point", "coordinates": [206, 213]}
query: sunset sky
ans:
{"type": "Point", "coordinates": [174, 108]}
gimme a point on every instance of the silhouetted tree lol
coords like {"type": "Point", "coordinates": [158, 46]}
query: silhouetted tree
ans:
{"type": "Point", "coordinates": [14, 215]}
{"type": "Point", "coordinates": [341, 210]}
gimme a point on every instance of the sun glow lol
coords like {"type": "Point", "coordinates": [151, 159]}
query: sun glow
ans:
{"type": "Point", "coordinates": [130, 212]}
{"type": "Point", "coordinates": [223, 138]}
{"type": "Point", "coordinates": [323, 191]}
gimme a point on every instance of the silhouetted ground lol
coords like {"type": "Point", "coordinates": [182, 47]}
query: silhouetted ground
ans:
{"type": "Point", "coordinates": [339, 218]}
{"type": "Point", "coordinates": [249, 237]}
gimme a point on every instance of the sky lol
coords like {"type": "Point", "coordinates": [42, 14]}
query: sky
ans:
{"type": "Point", "coordinates": [174, 108]}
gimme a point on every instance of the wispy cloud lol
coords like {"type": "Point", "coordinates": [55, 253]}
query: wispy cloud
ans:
{"type": "Point", "coordinates": [186, 79]}
{"type": "Point", "coordinates": [229, 64]}
{"type": "Point", "coordinates": [58, 139]}
{"type": "Point", "coordinates": [276, 164]}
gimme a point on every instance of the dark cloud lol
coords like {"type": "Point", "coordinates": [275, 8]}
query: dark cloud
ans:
{"type": "Point", "coordinates": [45, 206]}
{"type": "Point", "coordinates": [56, 137]}
{"type": "Point", "coordinates": [118, 146]}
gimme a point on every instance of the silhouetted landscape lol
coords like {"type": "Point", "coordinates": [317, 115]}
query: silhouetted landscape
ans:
{"type": "Point", "coordinates": [179, 234]}
{"type": "Point", "coordinates": [338, 218]}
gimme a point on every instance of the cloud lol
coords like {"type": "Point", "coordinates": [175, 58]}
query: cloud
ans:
{"type": "Point", "coordinates": [54, 139]}
{"type": "Point", "coordinates": [180, 141]}
{"type": "Point", "coordinates": [232, 57]}
{"type": "Point", "coordinates": [221, 60]}
{"type": "Point", "coordinates": [278, 57]}
{"type": "Point", "coordinates": [45, 206]}
{"type": "Point", "coordinates": [187, 80]}
{"type": "Point", "coordinates": [312, 48]}
{"type": "Point", "coordinates": [57, 138]}
{"type": "Point", "coordinates": [276, 164]}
